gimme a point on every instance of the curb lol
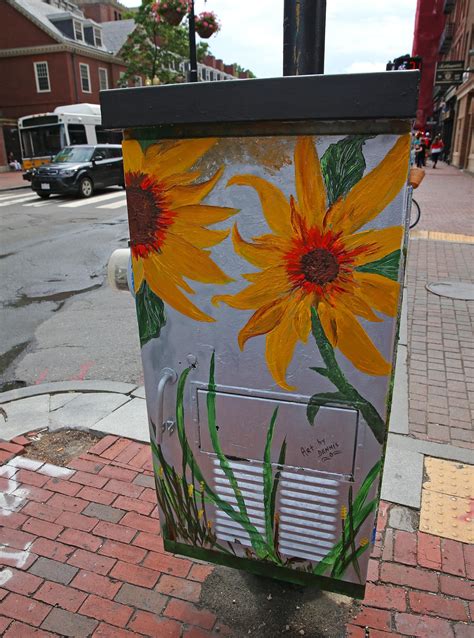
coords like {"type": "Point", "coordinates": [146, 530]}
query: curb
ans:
{"type": "Point", "coordinates": [13, 188]}
{"type": "Point", "coordinates": [116, 387]}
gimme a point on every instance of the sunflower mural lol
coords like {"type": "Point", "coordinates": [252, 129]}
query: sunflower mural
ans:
{"type": "Point", "coordinates": [168, 223]}
{"type": "Point", "coordinates": [315, 261]}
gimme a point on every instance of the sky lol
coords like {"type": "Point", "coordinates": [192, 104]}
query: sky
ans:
{"type": "Point", "coordinates": [361, 35]}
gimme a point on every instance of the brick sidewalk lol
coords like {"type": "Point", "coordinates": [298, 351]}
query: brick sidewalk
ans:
{"type": "Point", "coordinates": [441, 353]}
{"type": "Point", "coordinates": [446, 197]}
{"type": "Point", "coordinates": [419, 584]}
{"type": "Point", "coordinates": [12, 180]}
{"type": "Point", "coordinates": [83, 553]}
{"type": "Point", "coordinates": [83, 557]}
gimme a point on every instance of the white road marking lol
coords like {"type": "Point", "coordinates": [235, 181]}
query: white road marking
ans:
{"type": "Point", "coordinates": [18, 196]}
{"type": "Point", "coordinates": [92, 200]}
{"type": "Point", "coordinates": [37, 204]}
{"type": "Point", "coordinates": [113, 205]}
{"type": "Point", "coordinates": [17, 201]}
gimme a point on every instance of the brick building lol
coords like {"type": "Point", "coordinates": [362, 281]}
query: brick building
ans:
{"type": "Point", "coordinates": [58, 52]}
{"type": "Point", "coordinates": [444, 31]}
{"type": "Point", "coordinates": [50, 55]}
{"type": "Point", "coordinates": [103, 10]}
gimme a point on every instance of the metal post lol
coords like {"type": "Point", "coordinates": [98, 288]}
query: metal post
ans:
{"type": "Point", "coordinates": [193, 73]}
{"type": "Point", "coordinates": [304, 27]}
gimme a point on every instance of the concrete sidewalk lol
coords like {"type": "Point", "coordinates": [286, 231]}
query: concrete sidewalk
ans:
{"type": "Point", "coordinates": [81, 545]}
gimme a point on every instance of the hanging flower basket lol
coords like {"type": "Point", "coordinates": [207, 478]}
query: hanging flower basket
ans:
{"type": "Point", "coordinates": [170, 11]}
{"type": "Point", "coordinates": [207, 24]}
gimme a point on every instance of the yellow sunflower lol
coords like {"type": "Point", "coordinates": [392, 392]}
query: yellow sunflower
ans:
{"type": "Point", "coordinates": [311, 260]}
{"type": "Point", "coordinates": [167, 221]}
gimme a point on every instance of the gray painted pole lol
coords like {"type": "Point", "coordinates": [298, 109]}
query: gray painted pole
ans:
{"type": "Point", "coordinates": [304, 28]}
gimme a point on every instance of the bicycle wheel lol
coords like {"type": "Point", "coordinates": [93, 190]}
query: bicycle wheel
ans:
{"type": "Point", "coordinates": [415, 213]}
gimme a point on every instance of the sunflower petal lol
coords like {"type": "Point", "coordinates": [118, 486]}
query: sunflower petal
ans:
{"type": "Point", "coordinates": [198, 236]}
{"type": "Point", "coordinates": [138, 273]}
{"type": "Point", "coordinates": [258, 255]}
{"type": "Point", "coordinates": [262, 321]}
{"type": "Point", "coordinates": [177, 158]}
{"type": "Point", "coordinates": [269, 285]}
{"type": "Point", "coordinates": [201, 215]}
{"type": "Point", "coordinates": [328, 322]}
{"type": "Point", "coordinates": [303, 317]}
{"type": "Point", "coordinates": [192, 262]}
{"type": "Point", "coordinates": [179, 180]}
{"type": "Point", "coordinates": [132, 156]}
{"type": "Point", "coordinates": [194, 193]}
{"type": "Point", "coordinates": [378, 291]}
{"type": "Point", "coordinates": [310, 189]}
{"type": "Point", "coordinates": [280, 345]}
{"type": "Point", "coordinates": [274, 204]}
{"type": "Point", "coordinates": [374, 244]}
{"type": "Point", "coordinates": [373, 192]}
{"type": "Point", "coordinates": [357, 305]}
{"type": "Point", "coordinates": [165, 288]}
{"type": "Point", "coordinates": [355, 344]}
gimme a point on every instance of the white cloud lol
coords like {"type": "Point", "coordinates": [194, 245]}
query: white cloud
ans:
{"type": "Point", "coordinates": [360, 36]}
{"type": "Point", "coordinates": [365, 67]}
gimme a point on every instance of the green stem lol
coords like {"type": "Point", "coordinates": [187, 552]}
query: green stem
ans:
{"type": "Point", "coordinates": [346, 391]}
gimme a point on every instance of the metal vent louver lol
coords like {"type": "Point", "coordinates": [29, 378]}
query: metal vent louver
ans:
{"type": "Point", "coordinates": [308, 509]}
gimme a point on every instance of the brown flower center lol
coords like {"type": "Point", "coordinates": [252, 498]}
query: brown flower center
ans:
{"type": "Point", "coordinates": [319, 266]}
{"type": "Point", "coordinates": [149, 216]}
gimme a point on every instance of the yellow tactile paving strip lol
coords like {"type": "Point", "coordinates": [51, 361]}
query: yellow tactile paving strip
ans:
{"type": "Point", "coordinates": [447, 500]}
{"type": "Point", "coordinates": [439, 236]}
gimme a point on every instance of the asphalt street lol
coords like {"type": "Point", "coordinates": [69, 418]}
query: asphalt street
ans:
{"type": "Point", "coordinates": [59, 319]}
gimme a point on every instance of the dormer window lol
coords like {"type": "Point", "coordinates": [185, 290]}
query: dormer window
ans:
{"type": "Point", "coordinates": [97, 37]}
{"type": "Point", "coordinates": [78, 31]}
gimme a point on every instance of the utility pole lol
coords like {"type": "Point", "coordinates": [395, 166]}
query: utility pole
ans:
{"type": "Point", "coordinates": [304, 29]}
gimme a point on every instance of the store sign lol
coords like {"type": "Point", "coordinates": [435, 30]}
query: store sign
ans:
{"type": "Point", "coordinates": [449, 72]}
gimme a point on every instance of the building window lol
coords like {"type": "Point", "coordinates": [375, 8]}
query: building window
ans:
{"type": "Point", "coordinates": [77, 134]}
{"type": "Point", "coordinates": [137, 81]}
{"type": "Point", "coordinates": [97, 37]}
{"type": "Point", "coordinates": [78, 31]}
{"type": "Point", "coordinates": [42, 77]}
{"type": "Point", "coordinates": [85, 78]}
{"type": "Point", "coordinates": [211, 76]}
{"type": "Point", "coordinates": [122, 82]}
{"type": "Point", "coordinates": [103, 79]}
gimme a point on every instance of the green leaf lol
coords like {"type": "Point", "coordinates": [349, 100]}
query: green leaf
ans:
{"type": "Point", "coordinates": [268, 479]}
{"type": "Point", "coordinates": [150, 313]}
{"type": "Point", "coordinates": [276, 480]}
{"type": "Point", "coordinates": [387, 266]}
{"type": "Point", "coordinates": [343, 165]}
{"type": "Point", "coordinates": [318, 400]}
{"type": "Point", "coordinates": [258, 542]}
{"type": "Point", "coordinates": [359, 500]}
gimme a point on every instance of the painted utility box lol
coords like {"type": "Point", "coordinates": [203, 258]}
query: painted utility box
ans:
{"type": "Point", "coordinates": [267, 229]}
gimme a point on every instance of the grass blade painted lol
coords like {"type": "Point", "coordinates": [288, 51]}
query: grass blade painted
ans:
{"type": "Point", "coordinates": [268, 480]}
{"type": "Point", "coordinates": [276, 480]}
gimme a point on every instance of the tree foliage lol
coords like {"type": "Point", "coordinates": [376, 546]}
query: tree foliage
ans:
{"type": "Point", "coordinates": [157, 48]}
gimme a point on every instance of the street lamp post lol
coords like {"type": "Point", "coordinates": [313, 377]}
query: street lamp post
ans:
{"type": "Point", "coordinates": [193, 72]}
{"type": "Point", "coordinates": [304, 26]}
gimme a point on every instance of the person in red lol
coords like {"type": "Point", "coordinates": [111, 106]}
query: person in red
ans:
{"type": "Point", "coordinates": [436, 149]}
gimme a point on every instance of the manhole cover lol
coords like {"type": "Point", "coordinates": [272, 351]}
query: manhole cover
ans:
{"type": "Point", "coordinates": [452, 289]}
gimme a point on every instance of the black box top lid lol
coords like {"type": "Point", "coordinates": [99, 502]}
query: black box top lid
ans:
{"type": "Point", "coordinates": [386, 95]}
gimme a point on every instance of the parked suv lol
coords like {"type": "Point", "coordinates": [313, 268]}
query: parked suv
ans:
{"type": "Point", "coordinates": [80, 170]}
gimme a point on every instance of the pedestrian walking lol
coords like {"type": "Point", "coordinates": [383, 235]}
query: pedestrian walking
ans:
{"type": "Point", "coordinates": [436, 149]}
{"type": "Point", "coordinates": [419, 152]}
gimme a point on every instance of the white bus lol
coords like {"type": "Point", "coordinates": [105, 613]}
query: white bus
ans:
{"type": "Point", "coordinates": [45, 134]}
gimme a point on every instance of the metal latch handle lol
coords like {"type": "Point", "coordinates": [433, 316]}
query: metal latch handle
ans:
{"type": "Point", "coordinates": [167, 376]}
